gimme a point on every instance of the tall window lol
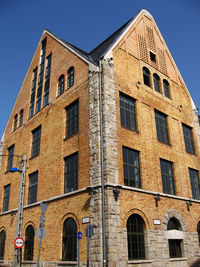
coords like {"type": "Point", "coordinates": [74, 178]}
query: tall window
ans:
{"type": "Point", "coordinates": [36, 136]}
{"type": "Point", "coordinates": [32, 101]}
{"type": "Point", "coordinates": [10, 157]}
{"type": "Point", "coordinates": [174, 244]}
{"type": "Point", "coordinates": [21, 117]}
{"type": "Point", "coordinates": [69, 248]}
{"type": "Point", "coordinates": [135, 236]}
{"type": "Point", "coordinates": [15, 122]}
{"type": "Point", "coordinates": [166, 88]}
{"type": "Point", "coordinates": [61, 84]}
{"type": "Point", "coordinates": [131, 167]}
{"type": "Point", "coordinates": [167, 176]}
{"type": "Point", "coordinates": [195, 183]}
{"type": "Point", "coordinates": [2, 244]}
{"type": "Point", "coordinates": [72, 119]}
{"type": "Point", "coordinates": [71, 173]}
{"type": "Point", "coordinates": [70, 77]}
{"type": "Point", "coordinates": [128, 112]}
{"type": "Point", "coordinates": [33, 182]}
{"type": "Point", "coordinates": [161, 127]}
{"type": "Point", "coordinates": [41, 74]}
{"type": "Point", "coordinates": [198, 232]}
{"type": "Point", "coordinates": [6, 198]}
{"type": "Point", "coordinates": [156, 80]}
{"type": "Point", "coordinates": [47, 81]}
{"type": "Point", "coordinates": [29, 243]}
{"type": "Point", "coordinates": [189, 144]}
{"type": "Point", "coordinates": [146, 77]}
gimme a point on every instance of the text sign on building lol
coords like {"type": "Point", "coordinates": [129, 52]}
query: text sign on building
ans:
{"type": "Point", "coordinates": [86, 220]}
{"type": "Point", "coordinates": [156, 222]}
{"type": "Point", "coordinates": [19, 242]}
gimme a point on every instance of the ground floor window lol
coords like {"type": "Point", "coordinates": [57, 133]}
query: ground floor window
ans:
{"type": "Point", "coordinates": [2, 244]}
{"type": "Point", "coordinates": [175, 248]}
{"type": "Point", "coordinates": [135, 237]}
{"type": "Point", "coordinates": [69, 249]}
{"type": "Point", "coordinates": [29, 243]}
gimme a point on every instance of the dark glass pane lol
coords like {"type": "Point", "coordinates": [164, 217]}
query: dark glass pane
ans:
{"type": "Point", "coordinates": [195, 183]}
{"type": "Point", "coordinates": [167, 177]}
{"type": "Point", "coordinates": [2, 244]}
{"type": "Point", "coordinates": [71, 173]}
{"type": "Point", "coordinates": [156, 80]}
{"type": "Point", "coordinates": [146, 77]}
{"type": "Point", "coordinates": [175, 248]}
{"type": "Point", "coordinates": [70, 78]}
{"type": "Point", "coordinates": [33, 182]}
{"type": "Point", "coordinates": [161, 127]}
{"type": "Point", "coordinates": [127, 112]}
{"type": "Point", "coordinates": [173, 224]}
{"type": "Point", "coordinates": [21, 117]}
{"type": "Point", "coordinates": [10, 157]}
{"type": "Point", "coordinates": [166, 88]}
{"type": "Point", "coordinates": [72, 119]}
{"type": "Point", "coordinates": [6, 198]}
{"type": "Point", "coordinates": [36, 141]}
{"type": "Point", "coordinates": [69, 250]}
{"type": "Point", "coordinates": [29, 243]}
{"type": "Point", "coordinates": [131, 167]}
{"type": "Point", "coordinates": [135, 237]}
{"type": "Point", "coordinates": [188, 138]}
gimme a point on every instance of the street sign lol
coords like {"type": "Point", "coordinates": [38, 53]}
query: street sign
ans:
{"type": "Point", "coordinates": [40, 233]}
{"type": "Point", "coordinates": [79, 235]}
{"type": "Point", "coordinates": [89, 231]}
{"type": "Point", "coordinates": [19, 242]}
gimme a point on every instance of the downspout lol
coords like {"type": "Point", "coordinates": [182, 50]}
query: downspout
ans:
{"type": "Point", "coordinates": [102, 167]}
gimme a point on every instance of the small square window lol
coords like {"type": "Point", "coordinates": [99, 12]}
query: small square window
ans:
{"type": "Point", "coordinates": [152, 57]}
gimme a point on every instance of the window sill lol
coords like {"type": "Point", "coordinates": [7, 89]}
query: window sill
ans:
{"type": "Point", "coordinates": [34, 157]}
{"type": "Point", "coordinates": [139, 261]}
{"type": "Point", "coordinates": [126, 128]}
{"type": "Point", "coordinates": [177, 259]}
{"type": "Point", "coordinates": [67, 138]}
{"type": "Point", "coordinates": [67, 262]}
{"type": "Point", "coordinates": [168, 144]}
{"type": "Point", "coordinates": [28, 262]}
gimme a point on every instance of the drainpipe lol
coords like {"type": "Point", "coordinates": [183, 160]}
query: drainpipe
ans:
{"type": "Point", "coordinates": [102, 167]}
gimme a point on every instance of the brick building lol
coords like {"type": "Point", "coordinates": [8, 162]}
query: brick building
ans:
{"type": "Point", "coordinates": [112, 139]}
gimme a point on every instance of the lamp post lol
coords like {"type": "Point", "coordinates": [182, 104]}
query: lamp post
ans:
{"type": "Point", "coordinates": [17, 251]}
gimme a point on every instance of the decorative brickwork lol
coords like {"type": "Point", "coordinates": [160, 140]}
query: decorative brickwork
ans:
{"type": "Point", "coordinates": [143, 48]}
{"type": "Point", "coordinates": [162, 61]}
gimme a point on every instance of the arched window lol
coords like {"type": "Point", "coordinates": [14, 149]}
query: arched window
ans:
{"type": "Point", "coordinates": [2, 244]}
{"type": "Point", "coordinates": [135, 236]}
{"type": "Point", "coordinates": [166, 88]}
{"type": "Point", "coordinates": [15, 122]}
{"type": "Point", "coordinates": [156, 80]}
{"type": "Point", "coordinates": [21, 117]}
{"type": "Point", "coordinates": [69, 246]}
{"type": "Point", "coordinates": [61, 84]}
{"type": "Point", "coordinates": [29, 243]}
{"type": "Point", "coordinates": [70, 78]}
{"type": "Point", "coordinates": [198, 232]}
{"type": "Point", "coordinates": [174, 244]}
{"type": "Point", "coordinates": [146, 77]}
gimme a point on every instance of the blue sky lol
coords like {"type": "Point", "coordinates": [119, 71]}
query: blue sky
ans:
{"type": "Point", "coordinates": [86, 23]}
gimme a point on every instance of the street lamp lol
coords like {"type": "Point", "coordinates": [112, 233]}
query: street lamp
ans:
{"type": "Point", "coordinates": [17, 252]}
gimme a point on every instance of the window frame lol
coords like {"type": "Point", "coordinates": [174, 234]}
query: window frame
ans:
{"type": "Point", "coordinates": [2, 243]}
{"type": "Point", "coordinates": [21, 117]}
{"type": "Point", "coordinates": [166, 88]}
{"type": "Point", "coordinates": [195, 183]}
{"type": "Point", "coordinates": [146, 76]}
{"type": "Point", "coordinates": [33, 186]}
{"type": "Point", "coordinates": [175, 245]}
{"type": "Point", "coordinates": [6, 198]}
{"type": "Point", "coordinates": [36, 140]}
{"type": "Point", "coordinates": [162, 127]}
{"type": "Point", "coordinates": [70, 77]}
{"type": "Point", "coordinates": [61, 84]}
{"type": "Point", "coordinates": [11, 151]}
{"type": "Point", "coordinates": [136, 232]}
{"type": "Point", "coordinates": [72, 118]}
{"type": "Point", "coordinates": [71, 173]}
{"type": "Point", "coordinates": [188, 139]}
{"type": "Point", "coordinates": [167, 178]}
{"type": "Point", "coordinates": [156, 81]}
{"type": "Point", "coordinates": [47, 80]}
{"type": "Point", "coordinates": [130, 169]}
{"type": "Point", "coordinates": [128, 114]}
{"type": "Point", "coordinates": [69, 240]}
{"type": "Point", "coordinates": [29, 243]}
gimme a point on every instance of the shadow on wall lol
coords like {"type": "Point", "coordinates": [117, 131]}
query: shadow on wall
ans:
{"type": "Point", "coordinates": [196, 263]}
